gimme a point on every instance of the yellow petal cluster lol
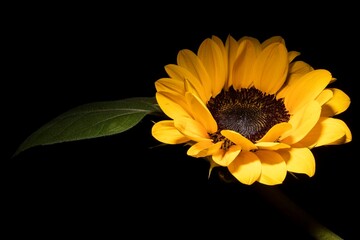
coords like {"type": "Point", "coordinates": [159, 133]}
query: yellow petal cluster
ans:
{"type": "Point", "coordinates": [269, 67]}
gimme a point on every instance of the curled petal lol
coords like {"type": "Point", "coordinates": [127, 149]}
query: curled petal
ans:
{"type": "Point", "coordinates": [200, 149]}
{"type": "Point", "coordinates": [271, 145]}
{"type": "Point", "coordinates": [165, 131]}
{"type": "Point", "coordinates": [225, 157]}
{"type": "Point", "coordinates": [306, 89]}
{"type": "Point", "coordinates": [328, 131]}
{"type": "Point", "coordinates": [299, 160]}
{"type": "Point", "coordinates": [193, 64]}
{"type": "Point", "coordinates": [246, 167]}
{"type": "Point", "coordinates": [173, 105]}
{"type": "Point", "coordinates": [201, 113]}
{"type": "Point", "coordinates": [191, 128]}
{"type": "Point", "coordinates": [296, 70]}
{"type": "Point", "coordinates": [238, 139]}
{"type": "Point", "coordinates": [324, 96]}
{"type": "Point", "coordinates": [275, 132]}
{"type": "Point", "coordinates": [337, 104]}
{"type": "Point", "coordinates": [189, 82]}
{"type": "Point", "coordinates": [303, 121]}
{"type": "Point", "coordinates": [273, 167]}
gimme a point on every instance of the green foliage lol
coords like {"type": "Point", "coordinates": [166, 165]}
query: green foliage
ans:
{"type": "Point", "coordinates": [92, 120]}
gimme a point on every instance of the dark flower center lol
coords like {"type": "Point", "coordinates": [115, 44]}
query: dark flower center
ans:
{"type": "Point", "coordinates": [247, 111]}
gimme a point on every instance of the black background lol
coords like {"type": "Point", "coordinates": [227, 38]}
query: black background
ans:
{"type": "Point", "coordinates": [59, 57]}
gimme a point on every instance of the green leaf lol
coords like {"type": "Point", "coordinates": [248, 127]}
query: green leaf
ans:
{"type": "Point", "coordinates": [92, 120]}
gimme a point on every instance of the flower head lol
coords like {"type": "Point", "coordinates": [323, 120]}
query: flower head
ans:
{"type": "Point", "coordinates": [249, 106]}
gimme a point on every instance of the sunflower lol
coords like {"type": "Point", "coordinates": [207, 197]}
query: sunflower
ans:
{"type": "Point", "coordinates": [250, 107]}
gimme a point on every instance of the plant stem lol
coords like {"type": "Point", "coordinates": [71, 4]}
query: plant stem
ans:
{"type": "Point", "coordinates": [274, 196]}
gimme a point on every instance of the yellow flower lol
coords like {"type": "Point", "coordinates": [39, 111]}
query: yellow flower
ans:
{"type": "Point", "coordinates": [250, 107]}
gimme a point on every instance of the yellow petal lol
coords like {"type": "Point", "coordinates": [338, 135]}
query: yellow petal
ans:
{"type": "Point", "coordinates": [292, 55]}
{"type": "Point", "coordinates": [345, 139]}
{"type": "Point", "coordinates": [212, 58]}
{"type": "Point", "coordinates": [273, 167]}
{"type": "Point", "coordinates": [192, 129]}
{"type": "Point", "coordinates": [225, 157]}
{"type": "Point", "coordinates": [173, 105]}
{"type": "Point", "coordinates": [200, 149]}
{"type": "Point", "coordinates": [215, 148]}
{"type": "Point", "coordinates": [348, 135]}
{"type": "Point", "coordinates": [174, 86]}
{"type": "Point", "coordinates": [271, 145]}
{"type": "Point", "coordinates": [271, 68]}
{"type": "Point", "coordinates": [201, 113]}
{"type": "Point", "coordinates": [271, 40]}
{"type": "Point", "coordinates": [255, 42]}
{"type": "Point", "coordinates": [328, 131]}
{"type": "Point", "coordinates": [238, 139]}
{"type": "Point", "coordinates": [296, 70]}
{"type": "Point", "coordinates": [337, 104]}
{"type": "Point", "coordinates": [222, 47]}
{"type": "Point", "coordinates": [246, 167]}
{"type": "Point", "coordinates": [299, 68]}
{"type": "Point", "coordinates": [180, 73]}
{"type": "Point", "coordinates": [299, 160]}
{"type": "Point", "coordinates": [245, 59]}
{"type": "Point", "coordinates": [190, 82]}
{"type": "Point", "coordinates": [275, 132]}
{"type": "Point", "coordinates": [165, 131]}
{"type": "Point", "coordinates": [324, 96]}
{"type": "Point", "coordinates": [306, 89]}
{"type": "Point", "coordinates": [302, 122]}
{"type": "Point", "coordinates": [231, 47]}
{"type": "Point", "coordinates": [193, 64]}
{"type": "Point", "coordinates": [226, 57]}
